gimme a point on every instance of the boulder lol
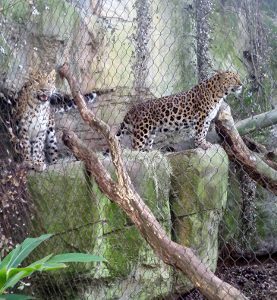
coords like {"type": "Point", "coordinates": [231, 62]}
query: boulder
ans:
{"type": "Point", "coordinates": [198, 198]}
{"type": "Point", "coordinates": [70, 204]}
{"type": "Point", "coordinates": [186, 192]}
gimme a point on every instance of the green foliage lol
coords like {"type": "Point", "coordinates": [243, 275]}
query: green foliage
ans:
{"type": "Point", "coordinates": [17, 10]}
{"type": "Point", "coordinates": [270, 6]}
{"type": "Point", "coordinates": [15, 297]}
{"type": "Point", "coordinates": [11, 273]}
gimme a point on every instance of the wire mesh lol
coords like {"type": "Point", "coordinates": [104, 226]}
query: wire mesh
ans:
{"type": "Point", "coordinates": [124, 53]}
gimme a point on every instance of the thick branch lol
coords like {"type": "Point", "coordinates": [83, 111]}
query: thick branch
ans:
{"type": "Point", "coordinates": [97, 124]}
{"type": "Point", "coordinates": [257, 122]}
{"type": "Point", "coordinates": [236, 149]}
{"type": "Point", "coordinates": [171, 253]}
{"type": "Point", "coordinates": [244, 127]}
{"type": "Point", "coordinates": [123, 193]}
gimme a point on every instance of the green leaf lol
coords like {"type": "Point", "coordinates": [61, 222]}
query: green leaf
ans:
{"type": "Point", "coordinates": [13, 271]}
{"type": "Point", "coordinates": [25, 249]}
{"type": "Point", "coordinates": [15, 297]}
{"type": "Point", "coordinates": [5, 262]}
{"type": "Point", "coordinates": [10, 274]}
{"type": "Point", "coordinates": [52, 266]}
{"type": "Point", "coordinates": [37, 264]}
{"type": "Point", "coordinates": [16, 274]}
{"type": "Point", "coordinates": [14, 280]}
{"type": "Point", "coordinates": [75, 257]}
{"type": "Point", "coordinates": [44, 264]}
{"type": "Point", "coordinates": [8, 258]}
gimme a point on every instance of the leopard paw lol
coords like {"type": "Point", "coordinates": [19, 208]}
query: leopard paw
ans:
{"type": "Point", "coordinates": [38, 166]}
{"type": "Point", "coordinates": [205, 145]}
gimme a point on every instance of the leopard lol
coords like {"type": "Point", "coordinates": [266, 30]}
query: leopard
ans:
{"type": "Point", "coordinates": [195, 109]}
{"type": "Point", "coordinates": [33, 133]}
{"type": "Point", "coordinates": [32, 116]}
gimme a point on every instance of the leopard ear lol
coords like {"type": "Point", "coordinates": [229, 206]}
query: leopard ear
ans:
{"type": "Point", "coordinates": [219, 71]}
{"type": "Point", "coordinates": [52, 75]}
{"type": "Point", "coordinates": [31, 77]}
{"type": "Point", "coordinates": [31, 74]}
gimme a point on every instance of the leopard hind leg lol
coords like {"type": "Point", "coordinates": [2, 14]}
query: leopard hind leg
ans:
{"type": "Point", "coordinates": [123, 130]}
{"type": "Point", "coordinates": [201, 130]}
{"type": "Point", "coordinates": [142, 139]}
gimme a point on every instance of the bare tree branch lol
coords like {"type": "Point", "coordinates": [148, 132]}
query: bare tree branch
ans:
{"type": "Point", "coordinates": [257, 122]}
{"type": "Point", "coordinates": [237, 151]}
{"type": "Point", "coordinates": [124, 194]}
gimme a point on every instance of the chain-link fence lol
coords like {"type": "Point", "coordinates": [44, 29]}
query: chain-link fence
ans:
{"type": "Point", "coordinates": [124, 53]}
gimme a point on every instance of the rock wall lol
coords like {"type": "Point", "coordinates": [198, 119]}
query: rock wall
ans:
{"type": "Point", "coordinates": [140, 48]}
{"type": "Point", "coordinates": [70, 204]}
{"type": "Point", "coordinates": [198, 200]}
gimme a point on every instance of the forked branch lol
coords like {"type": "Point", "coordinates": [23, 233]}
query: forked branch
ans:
{"type": "Point", "coordinates": [124, 195]}
{"type": "Point", "coordinates": [261, 171]}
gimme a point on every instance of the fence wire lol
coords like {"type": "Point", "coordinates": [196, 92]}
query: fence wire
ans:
{"type": "Point", "coordinates": [124, 53]}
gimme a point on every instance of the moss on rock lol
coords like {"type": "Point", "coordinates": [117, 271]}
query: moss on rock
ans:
{"type": "Point", "coordinates": [118, 240]}
{"type": "Point", "coordinates": [63, 205]}
{"type": "Point", "coordinates": [70, 204]}
{"type": "Point", "coordinates": [18, 11]}
{"type": "Point", "coordinates": [199, 194]}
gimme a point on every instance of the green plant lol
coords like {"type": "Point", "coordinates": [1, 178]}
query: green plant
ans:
{"type": "Point", "coordinates": [11, 273]}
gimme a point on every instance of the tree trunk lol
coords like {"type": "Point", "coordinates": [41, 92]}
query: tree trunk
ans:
{"type": "Point", "coordinates": [141, 40]}
{"type": "Point", "coordinates": [16, 208]}
{"type": "Point", "coordinates": [248, 210]}
{"type": "Point", "coordinates": [258, 53]}
{"type": "Point", "coordinates": [257, 122]}
{"type": "Point", "coordinates": [202, 12]}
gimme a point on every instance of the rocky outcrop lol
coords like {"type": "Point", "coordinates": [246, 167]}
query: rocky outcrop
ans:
{"type": "Point", "coordinates": [198, 199]}
{"type": "Point", "coordinates": [70, 204]}
{"type": "Point", "coordinates": [132, 46]}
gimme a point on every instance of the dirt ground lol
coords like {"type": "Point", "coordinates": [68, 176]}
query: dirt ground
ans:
{"type": "Point", "coordinates": [257, 280]}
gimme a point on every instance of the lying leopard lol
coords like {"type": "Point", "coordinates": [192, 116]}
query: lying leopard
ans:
{"type": "Point", "coordinates": [33, 126]}
{"type": "Point", "coordinates": [195, 108]}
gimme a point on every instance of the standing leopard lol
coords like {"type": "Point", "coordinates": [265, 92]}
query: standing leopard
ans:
{"type": "Point", "coordinates": [34, 127]}
{"type": "Point", "coordinates": [195, 108]}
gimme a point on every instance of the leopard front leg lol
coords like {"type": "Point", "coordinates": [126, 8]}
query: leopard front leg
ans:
{"type": "Point", "coordinates": [202, 126]}
{"type": "Point", "coordinates": [25, 147]}
{"type": "Point", "coordinates": [38, 152]}
{"type": "Point", "coordinates": [51, 142]}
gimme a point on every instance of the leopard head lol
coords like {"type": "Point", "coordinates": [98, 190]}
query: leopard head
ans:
{"type": "Point", "coordinates": [41, 85]}
{"type": "Point", "coordinates": [230, 82]}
